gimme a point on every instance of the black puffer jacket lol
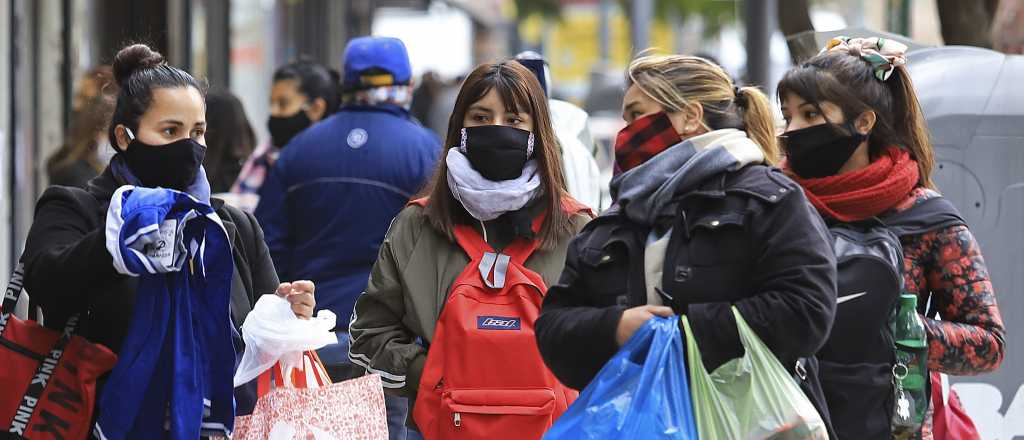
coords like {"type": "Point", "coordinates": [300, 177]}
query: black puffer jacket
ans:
{"type": "Point", "coordinates": [747, 238]}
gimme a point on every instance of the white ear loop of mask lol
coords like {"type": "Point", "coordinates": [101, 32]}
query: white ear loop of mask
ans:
{"type": "Point", "coordinates": [529, 143]}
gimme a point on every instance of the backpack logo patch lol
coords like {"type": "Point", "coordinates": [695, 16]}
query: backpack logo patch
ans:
{"type": "Point", "coordinates": [497, 323]}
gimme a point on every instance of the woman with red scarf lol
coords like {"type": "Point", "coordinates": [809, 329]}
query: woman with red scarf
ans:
{"type": "Point", "coordinates": [857, 143]}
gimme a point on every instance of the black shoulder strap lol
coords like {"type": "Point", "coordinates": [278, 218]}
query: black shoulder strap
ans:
{"type": "Point", "coordinates": [11, 294]}
{"type": "Point", "coordinates": [929, 215]}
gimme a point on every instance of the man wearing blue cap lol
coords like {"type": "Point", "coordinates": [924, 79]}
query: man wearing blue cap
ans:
{"type": "Point", "coordinates": [331, 195]}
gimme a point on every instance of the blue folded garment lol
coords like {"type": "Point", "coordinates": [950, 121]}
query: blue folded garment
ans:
{"type": "Point", "coordinates": [173, 378]}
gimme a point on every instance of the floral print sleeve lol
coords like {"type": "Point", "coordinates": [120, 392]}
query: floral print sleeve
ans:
{"type": "Point", "coordinates": [970, 338]}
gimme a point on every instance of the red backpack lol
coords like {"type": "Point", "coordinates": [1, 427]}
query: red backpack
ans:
{"type": "Point", "coordinates": [484, 377]}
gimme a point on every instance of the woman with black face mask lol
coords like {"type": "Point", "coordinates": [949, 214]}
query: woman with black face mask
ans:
{"type": "Point", "coordinates": [75, 262]}
{"type": "Point", "coordinates": [857, 143]}
{"type": "Point", "coordinates": [700, 223]}
{"type": "Point", "coordinates": [303, 93]}
{"type": "Point", "coordinates": [500, 188]}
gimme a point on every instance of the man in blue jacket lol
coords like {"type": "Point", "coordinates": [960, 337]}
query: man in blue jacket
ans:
{"type": "Point", "coordinates": [332, 193]}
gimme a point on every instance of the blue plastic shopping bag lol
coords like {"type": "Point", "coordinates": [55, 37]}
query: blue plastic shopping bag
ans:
{"type": "Point", "coordinates": [640, 393]}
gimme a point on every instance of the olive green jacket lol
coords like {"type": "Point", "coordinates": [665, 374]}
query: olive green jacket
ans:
{"type": "Point", "coordinates": [394, 319]}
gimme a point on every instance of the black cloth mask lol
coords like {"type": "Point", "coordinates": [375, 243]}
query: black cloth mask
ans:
{"type": "Point", "coordinates": [497, 152]}
{"type": "Point", "coordinates": [820, 150]}
{"type": "Point", "coordinates": [283, 129]}
{"type": "Point", "coordinates": [172, 166]}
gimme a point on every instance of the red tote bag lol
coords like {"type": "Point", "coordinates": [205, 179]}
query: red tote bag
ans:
{"type": "Point", "coordinates": [49, 379]}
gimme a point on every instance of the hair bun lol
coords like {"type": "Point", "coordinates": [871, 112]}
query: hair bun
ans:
{"type": "Point", "coordinates": [132, 58]}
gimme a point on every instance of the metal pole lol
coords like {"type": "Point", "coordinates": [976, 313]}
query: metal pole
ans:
{"type": "Point", "coordinates": [604, 31]}
{"type": "Point", "coordinates": [759, 20]}
{"type": "Point", "coordinates": [643, 15]}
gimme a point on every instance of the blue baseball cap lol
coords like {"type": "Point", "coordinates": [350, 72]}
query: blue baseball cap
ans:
{"type": "Point", "coordinates": [375, 62]}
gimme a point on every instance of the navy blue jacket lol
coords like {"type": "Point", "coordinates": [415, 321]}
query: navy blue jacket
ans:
{"type": "Point", "coordinates": [332, 193]}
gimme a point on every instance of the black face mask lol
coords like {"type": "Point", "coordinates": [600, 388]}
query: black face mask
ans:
{"type": "Point", "coordinates": [283, 129]}
{"type": "Point", "coordinates": [820, 150]}
{"type": "Point", "coordinates": [497, 152]}
{"type": "Point", "coordinates": [172, 166]}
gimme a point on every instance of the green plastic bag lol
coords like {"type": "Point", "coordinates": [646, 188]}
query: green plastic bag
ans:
{"type": "Point", "coordinates": [751, 397]}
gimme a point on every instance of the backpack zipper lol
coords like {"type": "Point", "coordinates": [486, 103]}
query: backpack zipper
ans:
{"type": "Point", "coordinates": [457, 418]}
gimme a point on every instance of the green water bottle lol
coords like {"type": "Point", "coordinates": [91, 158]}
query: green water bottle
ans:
{"type": "Point", "coordinates": [912, 353]}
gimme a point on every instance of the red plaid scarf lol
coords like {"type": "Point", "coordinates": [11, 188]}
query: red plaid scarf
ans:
{"type": "Point", "coordinates": [644, 139]}
{"type": "Point", "coordinates": [864, 193]}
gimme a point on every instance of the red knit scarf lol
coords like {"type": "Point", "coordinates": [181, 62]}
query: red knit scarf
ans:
{"type": "Point", "coordinates": [864, 193]}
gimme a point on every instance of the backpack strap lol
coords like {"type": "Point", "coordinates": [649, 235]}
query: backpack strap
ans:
{"type": "Point", "coordinates": [494, 265]}
{"type": "Point", "coordinates": [471, 241]}
{"type": "Point", "coordinates": [929, 215]}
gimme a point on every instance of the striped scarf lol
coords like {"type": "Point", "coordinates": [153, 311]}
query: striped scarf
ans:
{"type": "Point", "coordinates": [645, 193]}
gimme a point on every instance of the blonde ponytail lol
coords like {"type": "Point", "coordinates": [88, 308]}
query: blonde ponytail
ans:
{"type": "Point", "coordinates": [676, 81]}
{"type": "Point", "coordinates": [758, 121]}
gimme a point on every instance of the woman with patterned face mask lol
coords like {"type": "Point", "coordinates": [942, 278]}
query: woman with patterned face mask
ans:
{"type": "Point", "coordinates": [700, 223]}
{"type": "Point", "coordinates": [857, 144]}
{"type": "Point", "coordinates": [500, 187]}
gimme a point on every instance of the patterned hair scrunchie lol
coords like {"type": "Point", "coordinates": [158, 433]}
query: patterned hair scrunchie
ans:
{"type": "Point", "coordinates": [883, 55]}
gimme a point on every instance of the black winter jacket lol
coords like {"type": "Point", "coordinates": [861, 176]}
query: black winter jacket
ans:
{"type": "Point", "coordinates": [747, 238]}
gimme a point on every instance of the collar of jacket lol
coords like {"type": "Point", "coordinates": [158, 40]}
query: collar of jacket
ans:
{"type": "Point", "coordinates": [760, 182]}
{"type": "Point", "coordinates": [386, 108]}
{"type": "Point", "coordinates": [763, 183]}
{"type": "Point", "coordinates": [102, 187]}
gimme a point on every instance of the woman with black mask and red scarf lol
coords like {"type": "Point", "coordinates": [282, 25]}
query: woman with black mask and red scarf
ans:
{"type": "Point", "coordinates": [700, 223]}
{"type": "Point", "coordinates": [75, 263]}
{"type": "Point", "coordinates": [857, 143]}
{"type": "Point", "coordinates": [303, 93]}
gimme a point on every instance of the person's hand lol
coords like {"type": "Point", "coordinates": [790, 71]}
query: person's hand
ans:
{"type": "Point", "coordinates": [300, 295]}
{"type": "Point", "coordinates": [633, 319]}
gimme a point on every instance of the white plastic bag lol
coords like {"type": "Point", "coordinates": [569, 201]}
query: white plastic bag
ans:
{"type": "Point", "coordinates": [273, 333]}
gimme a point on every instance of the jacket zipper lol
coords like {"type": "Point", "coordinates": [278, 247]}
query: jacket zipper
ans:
{"type": "Point", "coordinates": [457, 419]}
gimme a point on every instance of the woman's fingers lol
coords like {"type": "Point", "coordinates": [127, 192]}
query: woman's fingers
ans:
{"type": "Point", "coordinates": [304, 286]}
{"type": "Point", "coordinates": [284, 289]}
{"type": "Point", "coordinates": [661, 311]}
{"type": "Point", "coordinates": [302, 298]}
{"type": "Point", "coordinates": [303, 311]}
